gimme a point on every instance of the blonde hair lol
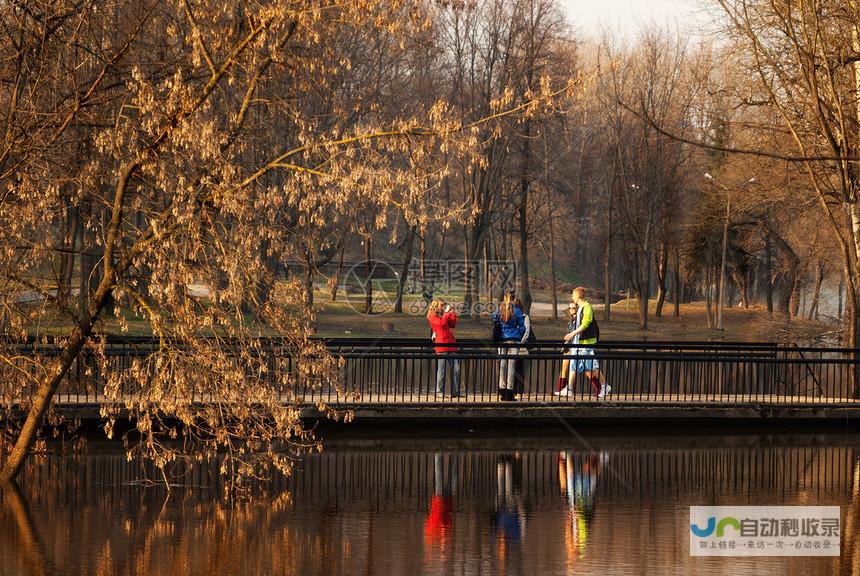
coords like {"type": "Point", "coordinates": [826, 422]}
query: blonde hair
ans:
{"type": "Point", "coordinates": [506, 310]}
{"type": "Point", "coordinates": [578, 290]}
{"type": "Point", "coordinates": [435, 308]}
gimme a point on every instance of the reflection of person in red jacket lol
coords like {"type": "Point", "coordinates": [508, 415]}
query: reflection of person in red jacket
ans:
{"type": "Point", "coordinates": [437, 528]}
{"type": "Point", "coordinates": [440, 520]}
{"type": "Point", "coordinates": [443, 320]}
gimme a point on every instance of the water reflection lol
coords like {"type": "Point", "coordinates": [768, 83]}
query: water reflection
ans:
{"type": "Point", "coordinates": [32, 552]}
{"type": "Point", "coordinates": [509, 519]}
{"type": "Point", "coordinates": [578, 474]}
{"type": "Point", "coordinates": [439, 525]}
{"type": "Point", "coordinates": [492, 506]}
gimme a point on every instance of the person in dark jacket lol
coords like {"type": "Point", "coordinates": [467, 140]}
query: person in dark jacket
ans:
{"type": "Point", "coordinates": [565, 364]}
{"type": "Point", "coordinates": [513, 325]}
{"type": "Point", "coordinates": [443, 320]}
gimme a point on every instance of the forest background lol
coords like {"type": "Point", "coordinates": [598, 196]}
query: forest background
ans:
{"type": "Point", "coordinates": [207, 173]}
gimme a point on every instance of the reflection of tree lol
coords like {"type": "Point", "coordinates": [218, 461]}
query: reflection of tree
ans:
{"type": "Point", "coordinates": [850, 544]}
{"type": "Point", "coordinates": [30, 546]}
{"type": "Point", "coordinates": [578, 475]}
{"type": "Point", "coordinates": [355, 510]}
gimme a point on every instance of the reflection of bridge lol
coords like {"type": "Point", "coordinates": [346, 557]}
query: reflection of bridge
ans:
{"type": "Point", "coordinates": [685, 469]}
{"type": "Point", "coordinates": [365, 502]}
{"type": "Point", "coordinates": [395, 378]}
{"type": "Point", "coordinates": [390, 471]}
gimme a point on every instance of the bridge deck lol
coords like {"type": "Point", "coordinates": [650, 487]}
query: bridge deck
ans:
{"type": "Point", "coordinates": [632, 407]}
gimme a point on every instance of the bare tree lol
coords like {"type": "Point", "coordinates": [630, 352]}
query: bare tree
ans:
{"type": "Point", "coordinates": [652, 167]}
{"type": "Point", "coordinates": [805, 58]}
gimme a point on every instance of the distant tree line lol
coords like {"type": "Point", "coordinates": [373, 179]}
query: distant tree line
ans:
{"type": "Point", "coordinates": [636, 183]}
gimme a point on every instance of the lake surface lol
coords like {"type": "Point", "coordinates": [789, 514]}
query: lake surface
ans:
{"type": "Point", "coordinates": [490, 503]}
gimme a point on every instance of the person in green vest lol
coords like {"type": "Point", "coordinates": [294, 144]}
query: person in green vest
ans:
{"type": "Point", "coordinates": [584, 334]}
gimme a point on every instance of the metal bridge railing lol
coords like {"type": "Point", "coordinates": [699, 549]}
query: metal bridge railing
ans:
{"type": "Point", "coordinates": [379, 371]}
{"type": "Point", "coordinates": [655, 372]}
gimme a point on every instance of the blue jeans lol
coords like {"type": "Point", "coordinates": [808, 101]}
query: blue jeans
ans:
{"type": "Point", "coordinates": [446, 363]}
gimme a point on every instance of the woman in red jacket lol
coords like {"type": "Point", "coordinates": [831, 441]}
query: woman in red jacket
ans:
{"type": "Point", "coordinates": [442, 320]}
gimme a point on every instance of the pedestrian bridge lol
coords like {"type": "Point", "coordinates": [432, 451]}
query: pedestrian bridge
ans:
{"type": "Point", "coordinates": [396, 379]}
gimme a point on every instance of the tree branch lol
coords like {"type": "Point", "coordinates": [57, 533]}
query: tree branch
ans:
{"type": "Point", "coordinates": [734, 150]}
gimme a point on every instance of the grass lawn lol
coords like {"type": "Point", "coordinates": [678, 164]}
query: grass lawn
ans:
{"type": "Point", "coordinates": [344, 319]}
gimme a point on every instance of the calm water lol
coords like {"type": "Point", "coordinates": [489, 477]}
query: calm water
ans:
{"type": "Point", "coordinates": [542, 505]}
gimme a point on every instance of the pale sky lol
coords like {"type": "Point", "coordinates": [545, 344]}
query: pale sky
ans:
{"type": "Point", "coordinates": [624, 17]}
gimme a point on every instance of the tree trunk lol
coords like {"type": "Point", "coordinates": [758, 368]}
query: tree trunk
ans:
{"type": "Point", "coordinates": [709, 283]}
{"type": "Point", "coordinates": [852, 322]}
{"type": "Point", "coordinates": [742, 282]}
{"type": "Point", "coordinates": [308, 300]}
{"type": "Point", "coordinates": [336, 284]}
{"type": "Point", "coordinates": [488, 274]}
{"type": "Point", "coordinates": [802, 311]}
{"type": "Point", "coordinates": [553, 281]}
{"type": "Point", "coordinates": [796, 288]}
{"type": "Point", "coordinates": [67, 254]}
{"type": "Point", "coordinates": [840, 305]}
{"type": "Point", "coordinates": [426, 291]}
{"type": "Point", "coordinates": [790, 276]}
{"type": "Point", "coordinates": [721, 301]}
{"type": "Point", "coordinates": [644, 291]}
{"type": "Point", "coordinates": [784, 301]}
{"type": "Point", "coordinates": [662, 266]}
{"type": "Point", "coordinates": [404, 271]}
{"type": "Point", "coordinates": [524, 290]}
{"type": "Point", "coordinates": [471, 293]}
{"type": "Point", "coordinates": [91, 272]}
{"type": "Point", "coordinates": [607, 279]}
{"type": "Point", "coordinates": [852, 329]}
{"type": "Point", "coordinates": [48, 386]}
{"type": "Point", "coordinates": [852, 274]}
{"type": "Point", "coordinates": [768, 270]}
{"type": "Point", "coordinates": [816, 293]}
{"type": "Point", "coordinates": [676, 281]}
{"type": "Point", "coordinates": [368, 277]}
{"type": "Point", "coordinates": [607, 254]}
{"type": "Point", "coordinates": [263, 286]}
{"type": "Point", "coordinates": [473, 240]}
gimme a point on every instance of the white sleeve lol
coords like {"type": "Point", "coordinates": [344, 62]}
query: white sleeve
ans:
{"type": "Point", "coordinates": [528, 323]}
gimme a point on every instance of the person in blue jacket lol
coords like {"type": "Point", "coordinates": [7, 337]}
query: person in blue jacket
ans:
{"type": "Point", "coordinates": [513, 325]}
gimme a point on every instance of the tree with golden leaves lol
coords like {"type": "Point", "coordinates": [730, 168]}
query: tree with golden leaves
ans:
{"type": "Point", "coordinates": [148, 146]}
